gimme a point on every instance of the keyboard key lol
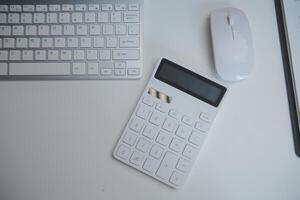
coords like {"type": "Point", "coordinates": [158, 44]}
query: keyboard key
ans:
{"type": "Point", "coordinates": [170, 125]}
{"type": "Point", "coordinates": [177, 145]}
{"type": "Point", "coordinates": [3, 55]}
{"type": "Point", "coordinates": [183, 132]}
{"type": "Point", "coordinates": [4, 8]}
{"type": "Point", "coordinates": [90, 17]}
{"type": "Point", "coordinates": [15, 8]}
{"type": "Point", "coordinates": [3, 18]}
{"type": "Point", "coordinates": [51, 18]}
{"type": "Point", "coordinates": [128, 42]}
{"type": "Point", "coordinates": [54, 8]}
{"type": "Point", "coordinates": [202, 126]}
{"type": "Point", "coordinates": [161, 107]}
{"type": "Point", "coordinates": [136, 125]}
{"type": "Point", "coordinates": [133, 71]}
{"type": "Point", "coordinates": [18, 30]}
{"type": "Point", "coordinates": [43, 30]}
{"type": "Point", "coordinates": [95, 29]}
{"type": "Point", "coordinates": [151, 165]}
{"type": "Point", "coordinates": [104, 54]}
{"type": "Point", "coordinates": [81, 29]}
{"type": "Point", "coordinates": [28, 8]}
{"type": "Point", "coordinates": [143, 145]}
{"type": "Point", "coordinates": [47, 42]}
{"type": "Point", "coordinates": [72, 42]}
{"type": "Point", "coordinates": [94, 7]}
{"type": "Point", "coordinates": [80, 7]}
{"type": "Point", "coordinates": [3, 69]}
{"type": "Point", "coordinates": [166, 167]}
{"type": "Point", "coordinates": [131, 16]}
{"type": "Point", "coordinates": [64, 18]}
{"type": "Point", "coordinates": [205, 117]}
{"type": "Point", "coordinates": [39, 68]}
{"type": "Point", "coordinates": [40, 55]}
{"type": "Point", "coordinates": [126, 54]}
{"type": "Point", "coordinates": [156, 118]}
{"type": "Point", "coordinates": [77, 17]}
{"type": "Point", "coordinates": [177, 179]}
{"type": "Point", "coordinates": [175, 114]}
{"type": "Point", "coordinates": [5, 30]}
{"type": "Point", "coordinates": [188, 121]}
{"type": "Point", "coordinates": [34, 43]}
{"type": "Point", "coordinates": [79, 55]}
{"type": "Point", "coordinates": [91, 54]}
{"type": "Point", "coordinates": [183, 165]}
{"type": "Point", "coordinates": [30, 30]}
{"type": "Point", "coordinates": [67, 7]}
{"type": "Point", "coordinates": [60, 42]}
{"type": "Point", "coordinates": [56, 30]}
{"type": "Point", "coordinates": [163, 138]}
{"type": "Point", "coordinates": [41, 8]}
{"type": "Point", "coordinates": [108, 29]}
{"type": "Point", "coordinates": [78, 68]}
{"type": "Point", "coordinates": [39, 18]}
{"type": "Point", "coordinates": [197, 138]}
{"type": "Point", "coordinates": [27, 55]}
{"type": "Point", "coordinates": [143, 112]}
{"type": "Point", "coordinates": [86, 42]}
{"type": "Point", "coordinates": [65, 54]}
{"type": "Point", "coordinates": [93, 68]}
{"type": "Point", "coordinates": [130, 138]}
{"type": "Point", "coordinates": [98, 42]}
{"type": "Point", "coordinates": [120, 29]}
{"type": "Point", "coordinates": [148, 101]}
{"type": "Point", "coordinates": [106, 71]}
{"type": "Point", "coordinates": [156, 151]}
{"type": "Point", "coordinates": [124, 152]}
{"type": "Point", "coordinates": [107, 7]}
{"type": "Point", "coordinates": [150, 132]}
{"type": "Point", "coordinates": [69, 30]}
{"type": "Point", "coordinates": [120, 7]}
{"type": "Point", "coordinates": [119, 72]}
{"type": "Point", "coordinates": [13, 18]}
{"type": "Point", "coordinates": [133, 6]}
{"type": "Point", "coordinates": [14, 55]}
{"type": "Point", "coordinates": [9, 43]}
{"type": "Point", "coordinates": [116, 17]}
{"type": "Point", "coordinates": [103, 17]}
{"type": "Point", "coordinates": [190, 152]}
{"type": "Point", "coordinates": [26, 18]}
{"type": "Point", "coordinates": [137, 158]}
{"type": "Point", "coordinates": [53, 55]}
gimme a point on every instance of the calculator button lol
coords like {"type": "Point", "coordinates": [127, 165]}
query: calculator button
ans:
{"type": "Point", "coordinates": [167, 165]}
{"type": "Point", "coordinates": [143, 145]}
{"type": "Point", "coordinates": [151, 165]}
{"type": "Point", "coordinates": [156, 151]}
{"type": "Point", "coordinates": [202, 126]}
{"type": "Point", "coordinates": [156, 118]}
{"type": "Point", "coordinates": [205, 117]}
{"type": "Point", "coordinates": [183, 165]}
{"type": "Point", "coordinates": [163, 138]}
{"type": "Point", "coordinates": [177, 145]}
{"type": "Point", "coordinates": [136, 125]}
{"type": "Point", "coordinates": [187, 120]}
{"type": "Point", "coordinates": [124, 152]}
{"type": "Point", "coordinates": [148, 100]}
{"type": "Point", "coordinates": [143, 112]}
{"type": "Point", "coordinates": [183, 132]}
{"type": "Point", "coordinates": [150, 132]}
{"type": "Point", "coordinates": [137, 158]}
{"type": "Point", "coordinates": [174, 114]}
{"type": "Point", "coordinates": [197, 138]}
{"type": "Point", "coordinates": [177, 179]}
{"type": "Point", "coordinates": [130, 138]}
{"type": "Point", "coordinates": [161, 107]}
{"type": "Point", "coordinates": [170, 125]}
{"type": "Point", "coordinates": [189, 151]}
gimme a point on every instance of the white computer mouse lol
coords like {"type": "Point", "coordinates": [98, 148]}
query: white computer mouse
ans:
{"type": "Point", "coordinates": [232, 44]}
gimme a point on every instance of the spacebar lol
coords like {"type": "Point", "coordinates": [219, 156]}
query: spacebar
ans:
{"type": "Point", "coordinates": [39, 68]}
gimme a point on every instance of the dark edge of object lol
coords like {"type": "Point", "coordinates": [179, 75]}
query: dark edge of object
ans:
{"type": "Point", "coordinates": [288, 76]}
{"type": "Point", "coordinates": [222, 88]}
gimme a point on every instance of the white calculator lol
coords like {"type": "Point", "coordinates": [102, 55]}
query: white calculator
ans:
{"type": "Point", "coordinates": [170, 123]}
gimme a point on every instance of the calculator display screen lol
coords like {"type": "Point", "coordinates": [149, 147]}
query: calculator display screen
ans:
{"type": "Point", "coordinates": [190, 82]}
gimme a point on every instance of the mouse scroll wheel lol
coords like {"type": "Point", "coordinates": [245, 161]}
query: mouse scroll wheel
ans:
{"type": "Point", "coordinates": [230, 20]}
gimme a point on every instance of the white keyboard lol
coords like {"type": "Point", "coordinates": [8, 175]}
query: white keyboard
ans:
{"type": "Point", "coordinates": [62, 40]}
{"type": "Point", "coordinates": [168, 127]}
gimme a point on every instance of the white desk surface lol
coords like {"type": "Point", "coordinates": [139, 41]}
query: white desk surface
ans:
{"type": "Point", "coordinates": [57, 137]}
